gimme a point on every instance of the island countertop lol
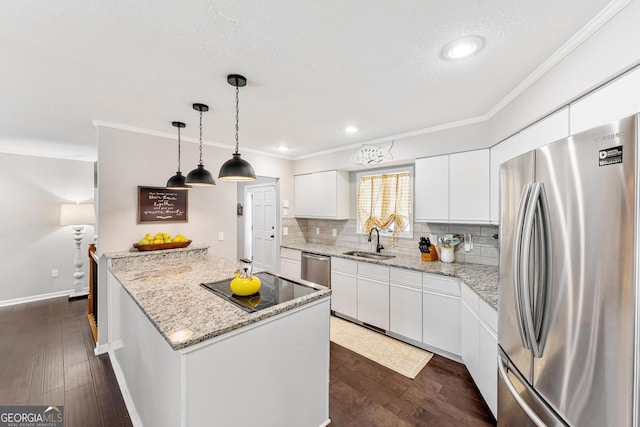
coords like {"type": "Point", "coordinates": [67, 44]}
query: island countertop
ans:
{"type": "Point", "coordinates": [483, 279]}
{"type": "Point", "coordinates": [167, 290]}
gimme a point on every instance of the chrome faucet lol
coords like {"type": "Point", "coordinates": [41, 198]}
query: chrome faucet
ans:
{"type": "Point", "coordinates": [379, 247]}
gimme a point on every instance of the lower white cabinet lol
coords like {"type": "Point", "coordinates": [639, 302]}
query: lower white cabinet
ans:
{"type": "Point", "coordinates": [405, 303]}
{"type": "Point", "coordinates": [290, 263]}
{"type": "Point", "coordinates": [480, 345]}
{"type": "Point", "coordinates": [441, 313]}
{"type": "Point", "coordinates": [344, 287]}
{"type": "Point", "coordinates": [373, 295]}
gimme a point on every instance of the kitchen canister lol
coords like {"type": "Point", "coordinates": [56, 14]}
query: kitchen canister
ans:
{"type": "Point", "coordinates": [447, 254]}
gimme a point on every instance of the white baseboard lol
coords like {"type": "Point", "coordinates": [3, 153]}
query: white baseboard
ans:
{"type": "Point", "coordinates": [79, 294]}
{"type": "Point", "coordinates": [122, 383]}
{"type": "Point", "coordinates": [101, 349]}
{"type": "Point", "coordinates": [35, 298]}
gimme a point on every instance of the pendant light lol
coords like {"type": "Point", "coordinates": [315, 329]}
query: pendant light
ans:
{"type": "Point", "coordinates": [178, 180]}
{"type": "Point", "coordinates": [200, 176]}
{"type": "Point", "coordinates": [237, 169]}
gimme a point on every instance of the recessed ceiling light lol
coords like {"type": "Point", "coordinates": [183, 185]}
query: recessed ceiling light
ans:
{"type": "Point", "coordinates": [282, 148]}
{"type": "Point", "coordinates": [462, 48]}
{"type": "Point", "coordinates": [351, 129]}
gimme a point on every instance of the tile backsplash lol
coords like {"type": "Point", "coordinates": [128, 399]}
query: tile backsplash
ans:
{"type": "Point", "coordinates": [485, 247]}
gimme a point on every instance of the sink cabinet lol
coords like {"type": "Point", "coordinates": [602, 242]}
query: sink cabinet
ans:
{"type": "Point", "coordinates": [373, 295]}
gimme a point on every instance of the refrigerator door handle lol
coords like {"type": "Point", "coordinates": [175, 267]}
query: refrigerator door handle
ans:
{"type": "Point", "coordinates": [544, 274]}
{"type": "Point", "coordinates": [517, 259]}
{"type": "Point", "coordinates": [527, 232]}
{"type": "Point", "coordinates": [516, 396]}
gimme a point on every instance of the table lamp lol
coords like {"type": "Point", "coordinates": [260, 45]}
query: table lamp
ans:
{"type": "Point", "coordinates": [78, 215]}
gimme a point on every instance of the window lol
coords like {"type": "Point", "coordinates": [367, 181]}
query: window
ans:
{"type": "Point", "coordinates": [384, 201]}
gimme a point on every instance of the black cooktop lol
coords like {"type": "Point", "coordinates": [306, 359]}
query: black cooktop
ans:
{"type": "Point", "coordinates": [274, 290]}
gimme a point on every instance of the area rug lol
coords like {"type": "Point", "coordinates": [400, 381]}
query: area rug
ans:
{"type": "Point", "coordinates": [403, 358]}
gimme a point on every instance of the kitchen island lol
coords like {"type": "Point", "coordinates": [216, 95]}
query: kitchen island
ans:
{"type": "Point", "coordinates": [184, 356]}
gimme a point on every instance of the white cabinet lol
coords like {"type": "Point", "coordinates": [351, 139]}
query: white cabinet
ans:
{"type": "Point", "coordinates": [322, 195]}
{"type": "Point", "coordinates": [551, 128]}
{"type": "Point", "coordinates": [431, 176]}
{"type": "Point", "coordinates": [373, 295]}
{"type": "Point", "coordinates": [405, 303]}
{"type": "Point", "coordinates": [344, 287]}
{"type": "Point", "coordinates": [453, 188]}
{"type": "Point", "coordinates": [488, 340]}
{"type": "Point", "coordinates": [616, 100]}
{"type": "Point", "coordinates": [303, 196]}
{"type": "Point", "coordinates": [480, 345]}
{"type": "Point", "coordinates": [290, 263]}
{"type": "Point", "coordinates": [441, 313]}
{"type": "Point", "coordinates": [469, 187]}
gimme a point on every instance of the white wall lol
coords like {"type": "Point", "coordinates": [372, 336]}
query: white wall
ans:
{"type": "Point", "coordinates": [405, 151]}
{"type": "Point", "coordinates": [608, 52]}
{"type": "Point", "coordinates": [128, 159]}
{"type": "Point", "coordinates": [31, 241]}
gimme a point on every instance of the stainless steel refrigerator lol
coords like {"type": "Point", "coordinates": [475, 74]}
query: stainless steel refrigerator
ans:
{"type": "Point", "coordinates": [568, 295]}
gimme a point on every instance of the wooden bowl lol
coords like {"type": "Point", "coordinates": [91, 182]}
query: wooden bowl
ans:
{"type": "Point", "coordinates": [160, 246]}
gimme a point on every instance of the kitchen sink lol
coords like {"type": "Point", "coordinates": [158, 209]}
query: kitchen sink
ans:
{"type": "Point", "coordinates": [369, 255]}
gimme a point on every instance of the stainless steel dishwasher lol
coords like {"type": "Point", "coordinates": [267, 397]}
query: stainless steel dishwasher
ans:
{"type": "Point", "coordinates": [316, 269]}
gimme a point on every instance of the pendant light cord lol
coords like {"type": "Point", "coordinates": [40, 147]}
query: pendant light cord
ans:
{"type": "Point", "coordinates": [237, 113]}
{"type": "Point", "coordinates": [200, 138]}
{"type": "Point", "coordinates": [178, 149]}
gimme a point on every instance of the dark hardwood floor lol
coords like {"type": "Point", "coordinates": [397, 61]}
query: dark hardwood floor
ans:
{"type": "Point", "coordinates": [46, 358]}
{"type": "Point", "coordinates": [363, 393]}
{"type": "Point", "coordinates": [46, 354]}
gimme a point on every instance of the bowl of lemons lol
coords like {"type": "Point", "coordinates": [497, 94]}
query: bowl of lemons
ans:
{"type": "Point", "coordinates": [161, 241]}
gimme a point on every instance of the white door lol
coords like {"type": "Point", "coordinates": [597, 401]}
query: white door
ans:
{"type": "Point", "coordinates": [263, 226]}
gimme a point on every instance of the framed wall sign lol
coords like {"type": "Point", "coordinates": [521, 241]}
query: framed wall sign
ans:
{"type": "Point", "coordinates": [160, 204]}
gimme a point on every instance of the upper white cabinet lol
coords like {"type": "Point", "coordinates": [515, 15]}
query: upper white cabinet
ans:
{"type": "Point", "coordinates": [453, 188]}
{"type": "Point", "coordinates": [616, 100]}
{"type": "Point", "coordinates": [432, 189]}
{"type": "Point", "coordinates": [469, 187]}
{"type": "Point", "coordinates": [552, 128]}
{"type": "Point", "coordinates": [322, 195]}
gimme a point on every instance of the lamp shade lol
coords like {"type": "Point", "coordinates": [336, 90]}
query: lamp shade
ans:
{"type": "Point", "coordinates": [200, 176]}
{"type": "Point", "coordinates": [77, 214]}
{"type": "Point", "coordinates": [236, 169]}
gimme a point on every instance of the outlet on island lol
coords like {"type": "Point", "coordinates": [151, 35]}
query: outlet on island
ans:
{"type": "Point", "coordinates": [317, 230]}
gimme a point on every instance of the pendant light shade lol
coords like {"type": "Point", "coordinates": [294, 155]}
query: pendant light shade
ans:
{"type": "Point", "coordinates": [200, 176]}
{"type": "Point", "coordinates": [237, 169]}
{"type": "Point", "coordinates": [178, 180]}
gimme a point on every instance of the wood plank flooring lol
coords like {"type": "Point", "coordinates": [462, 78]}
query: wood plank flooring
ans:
{"type": "Point", "coordinates": [363, 393]}
{"type": "Point", "coordinates": [46, 349]}
{"type": "Point", "coordinates": [46, 354]}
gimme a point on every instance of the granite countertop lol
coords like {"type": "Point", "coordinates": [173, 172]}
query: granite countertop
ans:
{"type": "Point", "coordinates": [167, 290]}
{"type": "Point", "coordinates": [483, 279]}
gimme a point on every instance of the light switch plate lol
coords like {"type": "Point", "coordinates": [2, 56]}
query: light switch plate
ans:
{"type": "Point", "coordinates": [317, 230]}
{"type": "Point", "coordinates": [54, 273]}
{"type": "Point", "coordinates": [221, 235]}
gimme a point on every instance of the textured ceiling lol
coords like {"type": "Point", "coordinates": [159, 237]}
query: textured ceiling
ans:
{"type": "Point", "coordinates": [313, 67]}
